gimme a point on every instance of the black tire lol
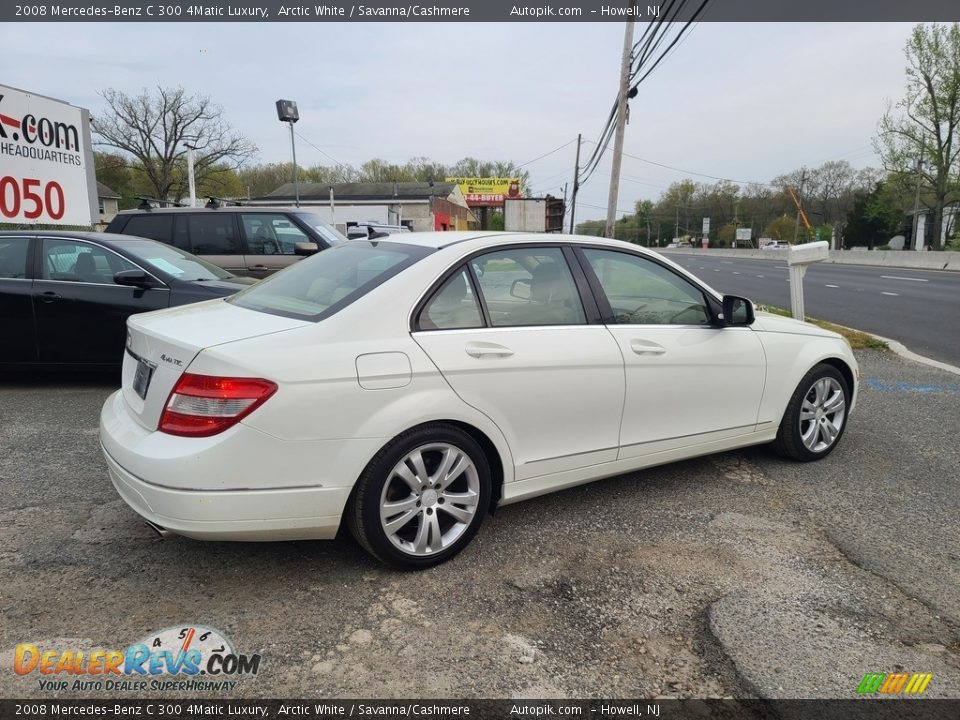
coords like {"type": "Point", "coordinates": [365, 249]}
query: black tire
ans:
{"type": "Point", "coordinates": [364, 510]}
{"type": "Point", "coordinates": [790, 438]}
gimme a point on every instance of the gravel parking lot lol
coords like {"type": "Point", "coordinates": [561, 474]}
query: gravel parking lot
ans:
{"type": "Point", "coordinates": [732, 575]}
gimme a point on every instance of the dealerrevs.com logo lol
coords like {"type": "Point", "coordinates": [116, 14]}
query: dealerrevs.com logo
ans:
{"type": "Point", "coordinates": [188, 658]}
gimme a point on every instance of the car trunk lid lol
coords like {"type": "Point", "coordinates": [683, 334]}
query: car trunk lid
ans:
{"type": "Point", "coordinates": [161, 345]}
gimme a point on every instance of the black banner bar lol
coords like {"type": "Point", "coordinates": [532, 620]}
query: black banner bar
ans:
{"type": "Point", "coordinates": [317, 709]}
{"type": "Point", "coordinates": [477, 11]}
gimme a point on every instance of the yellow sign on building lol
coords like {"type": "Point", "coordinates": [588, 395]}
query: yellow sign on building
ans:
{"type": "Point", "coordinates": [487, 191]}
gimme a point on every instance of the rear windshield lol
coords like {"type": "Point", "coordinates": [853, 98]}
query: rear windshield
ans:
{"type": "Point", "coordinates": [176, 263]}
{"type": "Point", "coordinates": [321, 285]}
{"type": "Point", "coordinates": [331, 235]}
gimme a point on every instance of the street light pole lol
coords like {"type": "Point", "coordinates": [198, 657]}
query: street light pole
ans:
{"type": "Point", "coordinates": [296, 179]}
{"type": "Point", "coordinates": [287, 112]}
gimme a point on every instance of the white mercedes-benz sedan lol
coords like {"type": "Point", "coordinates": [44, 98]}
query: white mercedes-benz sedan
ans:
{"type": "Point", "coordinates": [407, 386]}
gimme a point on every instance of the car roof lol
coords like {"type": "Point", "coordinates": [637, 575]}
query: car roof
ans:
{"type": "Point", "coordinates": [115, 241]}
{"type": "Point", "coordinates": [483, 238]}
{"type": "Point", "coordinates": [220, 208]}
{"type": "Point", "coordinates": [105, 238]}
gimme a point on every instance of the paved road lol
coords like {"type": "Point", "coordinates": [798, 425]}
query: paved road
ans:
{"type": "Point", "coordinates": [920, 308]}
{"type": "Point", "coordinates": [737, 574]}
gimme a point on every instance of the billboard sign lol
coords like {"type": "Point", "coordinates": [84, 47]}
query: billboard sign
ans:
{"type": "Point", "coordinates": [487, 191]}
{"type": "Point", "coordinates": [744, 233]}
{"type": "Point", "coordinates": [706, 226]}
{"type": "Point", "coordinates": [46, 161]}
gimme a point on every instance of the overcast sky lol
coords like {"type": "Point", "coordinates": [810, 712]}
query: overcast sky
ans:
{"type": "Point", "coordinates": [740, 101]}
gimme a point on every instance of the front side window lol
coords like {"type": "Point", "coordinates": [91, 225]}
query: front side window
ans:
{"type": "Point", "coordinates": [13, 257]}
{"type": "Point", "coordinates": [453, 306]}
{"type": "Point", "coordinates": [271, 234]}
{"type": "Point", "coordinates": [528, 286]}
{"type": "Point", "coordinates": [74, 261]}
{"type": "Point", "coordinates": [328, 233]}
{"type": "Point", "coordinates": [321, 285]}
{"type": "Point", "coordinates": [642, 292]}
{"type": "Point", "coordinates": [213, 234]}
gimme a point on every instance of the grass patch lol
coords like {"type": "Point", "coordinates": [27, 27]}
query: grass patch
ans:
{"type": "Point", "coordinates": [858, 340]}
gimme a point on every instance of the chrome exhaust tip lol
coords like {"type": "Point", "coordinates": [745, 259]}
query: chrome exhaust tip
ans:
{"type": "Point", "coordinates": [161, 531]}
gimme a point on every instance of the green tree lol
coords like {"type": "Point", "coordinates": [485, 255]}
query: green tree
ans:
{"type": "Point", "coordinates": [781, 228]}
{"type": "Point", "coordinates": [378, 170]}
{"type": "Point", "coordinates": [925, 123]}
{"type": "Point", "coordinates": [116, 172]}
{"type": "Point", "coordinates": [875, 217]}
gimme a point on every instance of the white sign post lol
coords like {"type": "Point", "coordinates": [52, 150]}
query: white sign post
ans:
{"type": "Point", "coordinates": [798, 257]}
{"type": "Point", "coordinates": [46, 161]}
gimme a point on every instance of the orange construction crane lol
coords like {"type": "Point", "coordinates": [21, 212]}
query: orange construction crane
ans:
{"type": "Point", "coordinates": [803, 215]}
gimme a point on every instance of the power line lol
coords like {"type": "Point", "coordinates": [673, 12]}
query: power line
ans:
{"type": "Point", "coordinates": [699, 174]}
{"type": "Point", "coordinates": [322, 152]}
{"type": "Point", "coordinates": [541, 157]}
{"type": "Point", "coordinates": [604, 208]}
{"type": "Point", "coordinates": [682, 32]}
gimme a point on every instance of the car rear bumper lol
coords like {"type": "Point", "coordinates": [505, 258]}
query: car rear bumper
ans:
{"type": "Point", "coordinates": [247, 515]}
{"type": "Point", "coordinates": [240, 485]}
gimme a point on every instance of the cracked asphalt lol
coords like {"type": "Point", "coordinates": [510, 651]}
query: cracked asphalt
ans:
{"type": "Point", "coordinates": [733, 575]}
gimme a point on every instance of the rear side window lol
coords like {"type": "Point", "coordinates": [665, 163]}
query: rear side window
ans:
{"type": "Point", "coordinates": [528, 286]}
{"type": "Point", "coordinates": [155, 227]}
{"type": "Point", "coordinates": [13, 257]}
{"type": "Point", "coordinates": [453, 306]}
{"type": "Point", "coordinates": [213, 234]}
{"type": "Point", "coordinates": [324, 284]}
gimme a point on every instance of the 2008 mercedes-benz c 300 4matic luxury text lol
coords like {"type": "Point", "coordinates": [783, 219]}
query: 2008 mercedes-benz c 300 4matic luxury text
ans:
{"type": "Point", "coordinates": [406, 387]}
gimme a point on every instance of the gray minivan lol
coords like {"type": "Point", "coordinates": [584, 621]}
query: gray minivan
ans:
{"type": "Point", "coordinates": [244, 240]}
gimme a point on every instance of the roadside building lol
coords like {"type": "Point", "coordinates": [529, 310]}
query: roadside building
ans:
{"type": "Point", "coordinates": [108, 202]}
{"type": "Point", "coordinates": [421, 206]}
{"type": "Point", "coordinates": [948, 229]}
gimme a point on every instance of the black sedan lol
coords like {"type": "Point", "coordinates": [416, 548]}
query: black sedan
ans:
{"type": "Point", "coordinates": [65, 296]}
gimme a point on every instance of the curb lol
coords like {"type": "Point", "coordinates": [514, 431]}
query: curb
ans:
{"type": "Point", "coordinates": [904, 352]}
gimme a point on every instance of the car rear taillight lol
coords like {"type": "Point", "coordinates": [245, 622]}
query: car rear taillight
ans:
{"type": "Point", "coordinates": [204, 405]}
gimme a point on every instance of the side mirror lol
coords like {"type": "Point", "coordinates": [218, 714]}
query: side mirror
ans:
{"type": "Point", "coordinates": [305, 248]}
{"type": "Point", "coordinates": [737, 311]}
{"type": "Point", "coordinates": [520, 289]}
{"type": "Point", "coordinates": [133, 278]}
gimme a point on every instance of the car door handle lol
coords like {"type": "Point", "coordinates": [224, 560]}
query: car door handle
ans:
{"type": "Point", "coordinates": [257, 267]}
{"type": "Point", "coordinates": [479, 349]}
{"type": "Point", "coordinates": [50, 296]}
{"type": "Point", "coordinates": [645, 347]}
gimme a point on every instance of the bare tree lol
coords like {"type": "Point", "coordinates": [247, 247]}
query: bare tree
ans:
{"type": "Point", "coordinates": [924, 125]}
{"type": "Point", "coordinates": [155, 127]}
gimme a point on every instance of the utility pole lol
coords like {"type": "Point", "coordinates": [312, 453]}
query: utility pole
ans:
{"type": "Point", "coordinates": [676, 230]}
{"type": "Point", "coordinates": [917, 242]}
{"type": "Point", "coordinates": [621, 123]}
{"type": "Point", "coordinates": [576, 185]}
{"type": "Point", "coordinates": [190, 178]}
